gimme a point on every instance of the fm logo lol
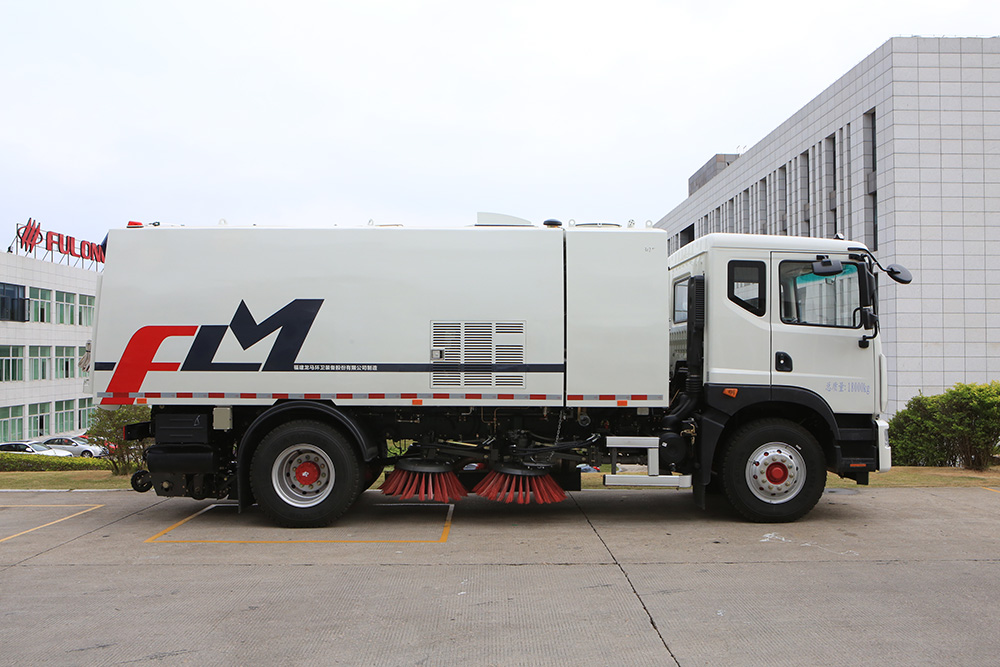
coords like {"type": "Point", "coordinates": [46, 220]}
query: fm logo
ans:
{"type": "Point", "coordinates": [294, 322]}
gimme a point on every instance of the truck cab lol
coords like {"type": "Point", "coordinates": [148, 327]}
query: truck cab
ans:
{"type": "Point", "coordinates": [790, 339]}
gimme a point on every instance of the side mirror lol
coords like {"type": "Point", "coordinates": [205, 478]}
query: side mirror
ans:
{"type": "Point", "coordinates": [899, 273]}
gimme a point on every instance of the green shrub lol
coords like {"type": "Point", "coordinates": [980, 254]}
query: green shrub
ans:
{"type": "Point", "coordinates": [915, 438]}
{"type": "Point", "coordinates": [958, 427]}
{"type": "Point", "coordinates": [107, 425]}
{"type": "Point", "coordinates": [39, 463]}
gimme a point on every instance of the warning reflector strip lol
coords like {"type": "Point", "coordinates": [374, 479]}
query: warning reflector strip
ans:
{"type": "Point", "coordinates": [618, 399]}
{"type": "Point", "coordinates": [337, 396]}
{"type": "Point", "coordinates": [614, 397]}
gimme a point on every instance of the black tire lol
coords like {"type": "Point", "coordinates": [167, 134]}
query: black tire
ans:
{"type": "Point", "coordinates": [142, 481]}
{"type": "Point", "coordinates": [292, 455]}
{"type": "Point", "coordinates": [86, 454]}
{"type": "Point", "coordinates": [773, 471]}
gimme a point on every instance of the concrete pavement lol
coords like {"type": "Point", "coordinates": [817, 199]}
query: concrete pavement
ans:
{"type": "Point", "coordinates": [895, 576]}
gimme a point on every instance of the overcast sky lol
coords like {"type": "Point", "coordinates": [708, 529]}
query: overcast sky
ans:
{"type": "Point", "coordinates": [412, 112]}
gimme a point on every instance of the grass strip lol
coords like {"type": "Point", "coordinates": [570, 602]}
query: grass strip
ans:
{"type": "Point", "coordinates": [64, 479]}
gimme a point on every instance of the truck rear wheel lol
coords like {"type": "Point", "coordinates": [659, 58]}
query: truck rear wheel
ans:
{"type": "Point", "coordinates": [774, 471]}
{"type": "Point", "coordinates": [305, 475]}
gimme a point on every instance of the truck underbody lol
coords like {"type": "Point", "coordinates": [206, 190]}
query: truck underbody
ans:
{"type": "Point", "coordinates": [204, 452]}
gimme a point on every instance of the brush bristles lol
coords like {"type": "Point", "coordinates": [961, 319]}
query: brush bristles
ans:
{"type": "Point", "coordinates": [441, 487]}
{"type": "Point", "coordinates": [508, 488]}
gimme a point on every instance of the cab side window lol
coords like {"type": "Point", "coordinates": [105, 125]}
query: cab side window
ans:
{"type": "Point", "coordinates": [822, 301]}
{"type": "Point", "coordinates": [747, 286]}
{"type": "Point", "coordinates": [680, 314]}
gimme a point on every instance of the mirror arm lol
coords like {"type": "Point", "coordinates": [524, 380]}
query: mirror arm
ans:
{"type": "Point", "coordinates": [895, 271]}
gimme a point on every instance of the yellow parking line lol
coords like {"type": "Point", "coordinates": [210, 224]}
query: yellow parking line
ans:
{"type": "Point", "coordinates": [182, 522]}
{"type": "Point", "coordinates": [155, 539]}
{"type": "Point", "coordinates": [989, 489]}
{"type": "Point", "coordinates": [90, 508]}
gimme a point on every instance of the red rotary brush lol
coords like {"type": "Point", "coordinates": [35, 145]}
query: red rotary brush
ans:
{"type": "Point", "coordinates": [425, 479]}
{"type": "Point", "coordinates": [510, 483]}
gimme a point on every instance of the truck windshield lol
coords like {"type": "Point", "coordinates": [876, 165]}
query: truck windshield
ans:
{"type": "Point", "coordinates": [825, 301]}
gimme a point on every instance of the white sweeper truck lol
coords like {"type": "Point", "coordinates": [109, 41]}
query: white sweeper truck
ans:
{"type": "Point", "coordinates": [279, 363]}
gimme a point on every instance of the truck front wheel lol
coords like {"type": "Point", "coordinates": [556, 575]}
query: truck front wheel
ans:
{"type": "Point", "coordinates": [305, 474]}
{"type": "Point", "coordinates": [773, 471]}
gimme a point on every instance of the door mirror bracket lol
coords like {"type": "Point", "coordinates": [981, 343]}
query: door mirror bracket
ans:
{"type": "Point", "coordinates": [869, 321]}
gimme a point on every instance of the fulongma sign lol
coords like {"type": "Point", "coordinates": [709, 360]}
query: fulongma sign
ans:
{"type": "Point", "coordinates": [30, 238]}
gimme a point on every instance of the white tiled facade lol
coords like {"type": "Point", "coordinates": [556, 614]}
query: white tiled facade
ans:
{"type": "Point", "coordinates": [903, 154]}
{"type": "Point", "coordinates": [41, 385]}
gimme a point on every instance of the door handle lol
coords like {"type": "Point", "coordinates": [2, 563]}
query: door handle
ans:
{"type": "Point", "coordinates": [782, 362]}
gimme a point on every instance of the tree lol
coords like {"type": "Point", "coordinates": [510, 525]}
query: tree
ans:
{"type": "Point", "coordinates": [958, 427]}
{"type": "Point", "coordinates": [125, 455]}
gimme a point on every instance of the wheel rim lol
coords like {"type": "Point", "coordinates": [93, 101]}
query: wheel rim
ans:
{"type": "Point", "coordinates": [302, 475]}
{"type": "Point", "coordinates": [775, 473]}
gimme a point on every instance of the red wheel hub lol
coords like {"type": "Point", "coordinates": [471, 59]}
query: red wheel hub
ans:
{"type": "Point", "coordinates": [777, 473]}
{"type": "Point", "coordinates": [307, 473]}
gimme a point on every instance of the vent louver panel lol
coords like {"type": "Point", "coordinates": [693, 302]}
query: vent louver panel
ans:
{"type": "Point", "coordinates": [477, 354]}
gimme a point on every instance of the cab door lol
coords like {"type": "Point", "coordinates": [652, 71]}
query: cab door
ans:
{"type": "Point", "coordinates": [815, 333]}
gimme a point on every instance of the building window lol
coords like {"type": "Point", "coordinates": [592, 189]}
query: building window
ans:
{"type": "Point", "coordinates": [13, 307]}
{"type": "Point", "coordinates": [65, 308]}
{"type": "Point", "coordinates": [12, 423]}
{"type": "Point", "coordinates": [782, 186]}
{"type": "Point", "coordinates": [11, 363]}
{"type": "Point", "coordinates": [65, 362]}
{"type": "Point", "coordinates": [39, 358]}
{"type": "Point", "coordinates": [65, 416]}
{"type": "Point", "coordinates": [84, 370]}
{"type": "Point", "coordinates": [41, 304]}
{"type": "Point", "coordinates": [39, 418]}
{"type": "Point", "coordinates": [687, 235]}
{"type": "Point", "coordinates": [85, 413]}
{"type": "Point", "coordinates": [871, 183]}
{"type": "Point", "coordinates": [86, 310]}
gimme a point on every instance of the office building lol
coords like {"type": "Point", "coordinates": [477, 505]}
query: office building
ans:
{"type": "Point", "coordinates": [48, 284]}
{"type": "Point", "coordinates": [901, 153]}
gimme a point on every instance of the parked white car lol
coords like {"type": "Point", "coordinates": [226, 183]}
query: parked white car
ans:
{"type": "Point", "coordinates": [25, 447]}
{"type": "Point", "coordinates": [76, 446]}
